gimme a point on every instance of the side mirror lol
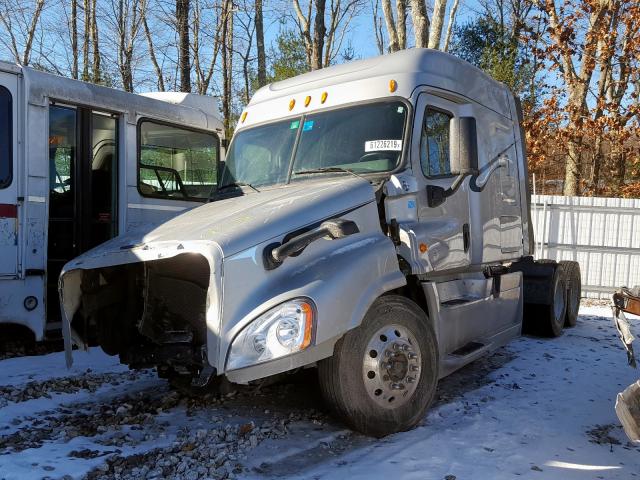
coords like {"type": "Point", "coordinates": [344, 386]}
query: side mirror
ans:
{"type": "Point", "coordinates": [463, 146]}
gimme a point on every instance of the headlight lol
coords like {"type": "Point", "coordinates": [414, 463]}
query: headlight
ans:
{"type": "Point", "coordinates": [283, 330]}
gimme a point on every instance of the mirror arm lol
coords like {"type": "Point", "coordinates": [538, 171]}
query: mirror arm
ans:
{"type": "Point", "coordinates": [483, 178]}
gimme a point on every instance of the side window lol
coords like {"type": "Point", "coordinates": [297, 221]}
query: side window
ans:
{"type": "Point", "coordinates": [176, 162]}
{"type": "Point", "coordinates": [434, 144]}
{"type": "Point", "coordinates": [6, 138]}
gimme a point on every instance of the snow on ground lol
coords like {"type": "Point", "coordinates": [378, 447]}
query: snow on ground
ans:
{"type": "Point", "coordinates": [536, 409]}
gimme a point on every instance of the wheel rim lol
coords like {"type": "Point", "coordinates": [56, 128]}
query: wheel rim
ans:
{"type": "Point", "coordinates": [559, 301]}
{"type": "Point", "coordinates": [392, 366]}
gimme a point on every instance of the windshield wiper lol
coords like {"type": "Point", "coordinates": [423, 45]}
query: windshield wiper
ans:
{"type": "Point", "coordinates": [237, 184]}
{"type": "Point", "coordinates": [215, 189]}
{"type": "Point", "coordinates": [327, 170]}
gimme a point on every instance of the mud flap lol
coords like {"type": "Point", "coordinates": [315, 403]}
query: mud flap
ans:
{"type": "Point", "coordinates": [628, 411]}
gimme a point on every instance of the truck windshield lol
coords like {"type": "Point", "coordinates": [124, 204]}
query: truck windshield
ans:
{"type": "Point", "coordinates": [364, 139]}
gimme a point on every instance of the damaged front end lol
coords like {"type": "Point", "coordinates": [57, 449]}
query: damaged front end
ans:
{"type": "Point", "coordinates": [628, 402]}
{"type": "Point", "coordinates": [151, 313]}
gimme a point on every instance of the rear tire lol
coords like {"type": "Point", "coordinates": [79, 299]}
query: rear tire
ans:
{"type": "Point", "coordinates": [553, 315]}
{"type": "Point", "coordinates": [366, 381]}
{"type": "Point", "coordinates": [574, 291]}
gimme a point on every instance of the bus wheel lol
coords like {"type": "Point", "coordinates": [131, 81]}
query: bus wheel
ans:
{"type": "Point", "coordinates": [383, 375]}
{"type": "Point", "coordinates": [574, 291]}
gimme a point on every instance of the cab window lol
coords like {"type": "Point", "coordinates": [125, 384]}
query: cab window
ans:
{"type": "Point", "coordinates": [6, 135]}
{"type": "Point", "coordinates": [434, 144]}
{"type": "Point", "coordinates": [176, 162]}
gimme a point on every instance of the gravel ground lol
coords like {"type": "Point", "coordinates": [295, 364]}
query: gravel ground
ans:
{"type": "Point", "coordinates": [101, 421]}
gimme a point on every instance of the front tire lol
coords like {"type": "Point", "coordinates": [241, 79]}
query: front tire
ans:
{"type": "Point", "coordinates": [383, 375]}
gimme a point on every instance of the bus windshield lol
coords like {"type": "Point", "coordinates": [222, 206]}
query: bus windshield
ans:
{"type": "Point", "coordinates": [363, 139]}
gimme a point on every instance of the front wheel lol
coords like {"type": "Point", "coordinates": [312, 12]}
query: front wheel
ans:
{"type": "Point", "coordinates": [383, 375]}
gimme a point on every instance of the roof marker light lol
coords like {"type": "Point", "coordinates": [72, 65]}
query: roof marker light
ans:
{"type": "Point", "coordinates": [307, 101]}
{"type": "Point", "coordinates": [243, 117]}
{"type": "Point", "coordinates": [324, 96]}
{"type": "Point", "coordinates": [292, 104]}
{"type": "Point", "coordinates": [393, 86]}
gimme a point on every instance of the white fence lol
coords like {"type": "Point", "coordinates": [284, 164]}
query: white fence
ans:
{"type": "Point", "coordinates": [602, 234]}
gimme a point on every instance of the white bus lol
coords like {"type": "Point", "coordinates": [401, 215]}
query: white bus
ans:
{"type": "Point", "coordinates": [80, 164]}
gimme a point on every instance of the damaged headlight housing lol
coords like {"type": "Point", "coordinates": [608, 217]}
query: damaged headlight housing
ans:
{"type": "Point", "coordinates": [281, 331]}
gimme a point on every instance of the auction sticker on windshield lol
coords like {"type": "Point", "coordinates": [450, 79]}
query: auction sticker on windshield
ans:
{"type": "Point", "coordinates": [382, 145]}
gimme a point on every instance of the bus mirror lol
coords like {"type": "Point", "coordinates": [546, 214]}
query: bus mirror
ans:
{"type": "Point", "coordinates": [463, 145]}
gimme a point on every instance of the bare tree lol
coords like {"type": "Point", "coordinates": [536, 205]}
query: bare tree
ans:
{"type": "Point", "coordinates": [437, 22]}
{"type": "Point", "coordinates": [20, 22]}
{"type": "Point", "coordinates": [184, 57]}
{"type": "Point", "coordinates": [319, 31]}
{"type": "Point", "coordinates": [452, 21]}
{"type": "Point", "coordinates": [152, 51]}
{"type": "Point", "coordinates": [397, 31]}
{"type": "Point", "coordinates": [420, 22]}
{"type": "Point", "coordinates": [322, 43]}
{"type": "Point", "coordinates": [128, 15]}
{"type": "Point", "coordinates": [95, 41]}
{"type": "Point", "coordinates": [74, 39]}
{"type": "Point", "coordinates": [377, 27]}
{"type": "Point", "coordinates": [262, 59]}
{"type": "Point", "coordinates": [245, 34]}
{"type": "Point", "coordinates": [86, 40]}
{"type": "Point", "coordinates": [227, 64]}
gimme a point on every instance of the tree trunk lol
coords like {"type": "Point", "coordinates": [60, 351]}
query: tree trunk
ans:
{"type": "Point", "coordinates": [452, 21]}
{"type": "Point", "coordinates": [182, 20]}
{"type": "Point", "coordinates": [319, 32]}
{"type": "Point", "coordinates": [74, 39]}
{"type": "Point", "coordinates": [227, 65]}
{"type": "Point", "coordinates": [594, 181]}
{"type": "Point", "coordinates": [152, 52]}
{"type": "Point", "coordinates": [31, 33]}
{"type": "Point", "coordinates": [401, 26]}
{"type": "Point", "coordinates": [437, 21]}
{"type": "Point", "coordinates": [262, 59]}
{"type": "Point", "coordinates": [394, 44]}
{"type": "Point", "coordinates": [572, 169]}
{"type": "Point", "coordinates": [97, 74]}
{"type": "Point", "coordinates": [85, 41]}
{"type": "Point", "coordinates": [420, 22]}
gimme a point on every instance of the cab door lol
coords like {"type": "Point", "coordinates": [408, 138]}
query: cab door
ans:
{"type": "Point", "coordinates": [8, 175]}
{"type": "Point", "coordinates": [443, 229]}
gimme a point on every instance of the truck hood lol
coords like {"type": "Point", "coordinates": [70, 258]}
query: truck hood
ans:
{"type": "Point", "coordinates": [238, 223]}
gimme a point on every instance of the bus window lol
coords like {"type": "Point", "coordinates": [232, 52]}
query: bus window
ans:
{"type": "Point", "coordinates": [176, 162]}
{"type": "Point", "coordinates": [6, 132]}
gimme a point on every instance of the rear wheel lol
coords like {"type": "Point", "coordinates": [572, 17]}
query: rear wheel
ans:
{"type": "Point", "coordinates": [574, 291]}
{"type": "Point", "coordinates": [553, 315]}
{"type": "Point", "coordinates": [383, 375]}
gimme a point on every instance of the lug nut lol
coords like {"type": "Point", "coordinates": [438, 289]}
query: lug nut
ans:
{"type": "Point", "coordinates": [397, 386]}
{"type": "Point", "coordinates": [415, 368]}
{"type": "Point", "coordinates": [397, 346]}
{"type": "Point", "coordinates": [405, 348]}
{"type": "Point", "coordinates": [410, 379]}
{"type": "Point", "coordinates": [412, 356]}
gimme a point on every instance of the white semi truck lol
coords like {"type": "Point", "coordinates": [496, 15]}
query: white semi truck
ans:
{"type": "Point", "coordinates": [371, 220]}
{"type": "Point", "coordinates": [80, 164]}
